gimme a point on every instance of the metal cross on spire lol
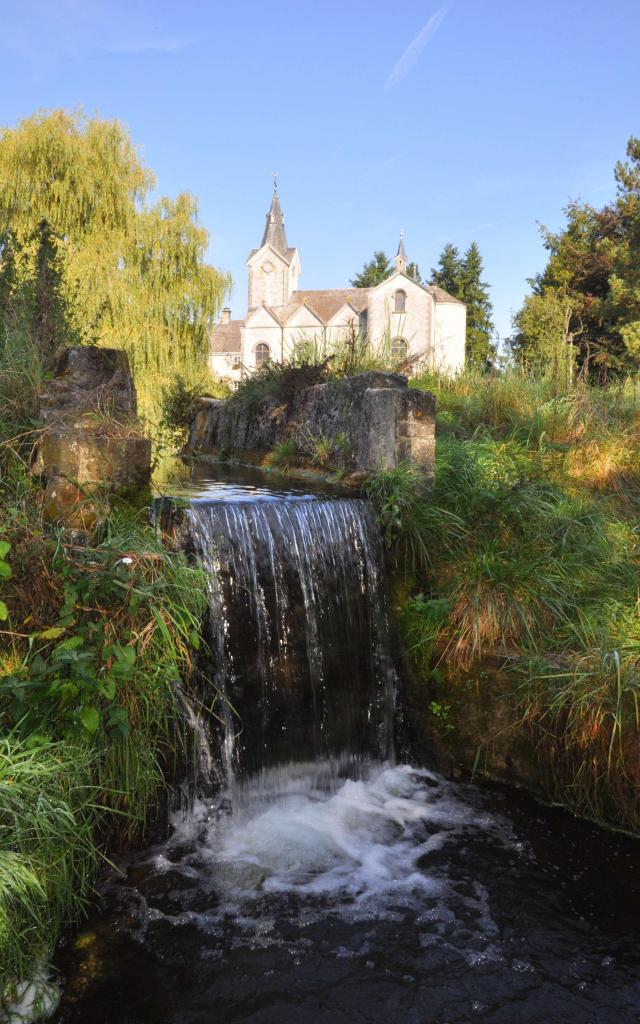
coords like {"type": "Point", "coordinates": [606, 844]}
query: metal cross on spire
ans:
{"type": "Point", "coordinates": [274, 175]}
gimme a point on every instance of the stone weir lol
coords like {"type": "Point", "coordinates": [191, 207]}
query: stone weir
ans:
{"type": "Point", "coordinates": [380, 420]}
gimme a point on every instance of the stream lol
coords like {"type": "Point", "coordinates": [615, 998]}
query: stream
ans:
{"type": "Point", "coordinates": [318, 876]}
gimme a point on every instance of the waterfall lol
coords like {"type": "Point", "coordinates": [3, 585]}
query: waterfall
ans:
{"type": "Point", "coordinates": [298, 629]}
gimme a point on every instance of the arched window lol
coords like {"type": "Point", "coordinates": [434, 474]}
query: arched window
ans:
{"type": "Point", "coordinates": [400, 301]}
{"type": "Point", "coordinates": [262, 354]}
{"type": "Point", "coordinates": [399, 349]}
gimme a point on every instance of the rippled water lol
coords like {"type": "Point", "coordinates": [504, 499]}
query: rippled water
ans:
{"type": "Point", "coordinates": [354, 893]}
{"type": "Point", "coordinates": [313, 887]}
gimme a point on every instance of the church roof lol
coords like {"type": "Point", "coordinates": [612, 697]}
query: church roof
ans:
{"type": "Point", "coordinates": [226, 337]}
{"type": "Point", "coordinates": [440, 295]}
{"type": "Point", "coordinates": [325, 302]}
{"type": "Point", "coordinates": [274, 233]}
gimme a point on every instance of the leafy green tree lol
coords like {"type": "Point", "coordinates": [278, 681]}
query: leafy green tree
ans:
{"type": "Point", "coordinates": [544, 339]}
{"type": "Point", "coordinates": [374, 272]}
{"type": "Point", "coordinates": [8, 276]}
{"type": "Point", "coordinates": [48, 307]}
{"type": "Point", "coordinates": [137, 266]}
{"type": "Point", "coordinates": [595, 261]}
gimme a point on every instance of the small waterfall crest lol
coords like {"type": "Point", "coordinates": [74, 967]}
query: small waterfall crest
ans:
{"type": "Point", "coordinates": [298, 630]}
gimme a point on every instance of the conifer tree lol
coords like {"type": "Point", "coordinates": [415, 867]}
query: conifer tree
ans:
{"type": "Point", "coordinates": [475, 294]}
{"type": "Point", "coordinates": [594, 264]}
{"type": "Point", "coordinates": [413, 271]}
{"type": "Point", "coordinates": [461, 276]}
{"type": "Point", "coordinates": [449, 272]}
{"type": "Point", "coordinates": [374, 272]}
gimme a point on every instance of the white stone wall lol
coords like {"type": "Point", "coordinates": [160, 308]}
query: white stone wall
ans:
{"type": "Point", "coordinates": [261, 328]}
{"type": "Point", "coordinates": [225, 364]}
{"type": "Point", "coordinates": [270, 278]}
{"type": "Point", "coordinates": [415, 325]}
{"type": "Point", "coordinates": [303, 326]}
{"type": "Point", "coordinates": [450, 335]}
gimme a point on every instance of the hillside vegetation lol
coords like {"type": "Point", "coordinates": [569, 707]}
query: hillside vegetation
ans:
{"type": "Point", "coordinates": [95, 648]}
{"type": "Point", "coordinates": [525, 555]}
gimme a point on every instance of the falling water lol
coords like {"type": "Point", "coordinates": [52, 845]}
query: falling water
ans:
{"type": "Point", "coordinates": [313, 879]}
{"type": "Point", "coordinates": [298, 629]}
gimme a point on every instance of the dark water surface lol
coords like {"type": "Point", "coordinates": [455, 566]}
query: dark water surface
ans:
{"type": "Point", "coordinates": [319, 893]}
{"type": "Point", "coordinates": [312, 886]}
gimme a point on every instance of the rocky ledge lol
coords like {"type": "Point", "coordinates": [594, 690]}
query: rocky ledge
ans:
{"type": "Point", "coordinates": [384, 421]}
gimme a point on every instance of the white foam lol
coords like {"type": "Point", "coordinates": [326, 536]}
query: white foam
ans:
{"type": "Point", "coordinates": [361, 844]}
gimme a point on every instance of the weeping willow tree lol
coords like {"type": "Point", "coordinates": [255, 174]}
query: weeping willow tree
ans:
{"type": "Point", "coordinates": [134, 268]}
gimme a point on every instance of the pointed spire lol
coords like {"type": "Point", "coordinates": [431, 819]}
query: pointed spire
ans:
{"type": "Point", "coordinates": [274, 233]}
{"type": "Point", "coordinates": [401, 256]}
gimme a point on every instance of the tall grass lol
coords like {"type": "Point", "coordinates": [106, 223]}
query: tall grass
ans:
{"type": "Point", "coordinates": [526, 550]}
{"type": "Point", "coordinates": [48, 849]}
{"type": "Point", "coordinates": [97, 641]}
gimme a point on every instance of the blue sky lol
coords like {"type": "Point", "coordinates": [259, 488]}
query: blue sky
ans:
{"type": "Point", "coordinates": [471, 119]}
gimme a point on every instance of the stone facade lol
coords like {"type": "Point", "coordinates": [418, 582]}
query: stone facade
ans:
{"type": "Point", "coordinates": [421, 323]}
{"type": "Point", "coordinates": [384, 420]}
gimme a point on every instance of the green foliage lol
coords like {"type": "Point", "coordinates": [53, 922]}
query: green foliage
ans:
{"type": "Point", "coordinates": [449, 272]}
{"type": "Point", "coordinates": [475, 294]}
{"type": "Point", "coordinates": [5, 573]}
{"type": "Point", "coordinates": [593, 262]}
{"type": "Point", "coordinates": [378, 269]}
{"type": "Point", "coordinates": [402, 498]}
{"type": "Point", "coordinates": [526, 553]}
{"type": "Point", "coordinates": [544, 340]}
{"type": "Point", "coordinates": [461, 276]}
{"type": "Point", "coordinates": [321, 450]}
{"type": "Point", "coordinates": [281, 380]}
{"type": "Point", "coordinates": [179, 403]}
{"type": "Point", "coordinates": [284, 454]}
{"type": "Point", "coordinates": [49, 850]}
{"type": "Point", "coordinates": [335, 452]}
{"type": "Point", "coordinates": [134, 266]}
{"type": "Point", "coordinates": [95, 644]}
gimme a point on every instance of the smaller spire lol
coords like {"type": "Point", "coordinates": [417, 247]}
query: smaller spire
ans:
{"type": "Point", "coordinates": [401, 256]}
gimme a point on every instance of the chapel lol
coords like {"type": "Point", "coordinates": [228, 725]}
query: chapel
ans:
{"type": "Point", "coordinates": [410, 319]}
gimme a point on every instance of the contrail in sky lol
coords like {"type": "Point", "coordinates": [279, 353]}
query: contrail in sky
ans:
{"type": "Point", "coordinates": [409, 57]}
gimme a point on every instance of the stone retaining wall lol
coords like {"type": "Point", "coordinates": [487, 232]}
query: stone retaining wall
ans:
{"type": "Point", "coordinates": [384, 420]}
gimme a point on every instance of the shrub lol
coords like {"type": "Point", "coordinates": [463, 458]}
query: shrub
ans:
{"type": "Point", "coordinates": [283, 454]}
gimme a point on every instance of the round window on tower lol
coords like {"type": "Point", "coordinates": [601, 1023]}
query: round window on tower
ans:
{"type": "Point", "coordinates": [267, 267]}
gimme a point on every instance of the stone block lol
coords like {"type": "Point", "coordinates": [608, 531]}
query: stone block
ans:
{"type": "Point", "coordinates": [90, 446]}
{"type": "Point", "coordinates": [81, 469]}
{"type": "Point", "coordinates": [89, 382]}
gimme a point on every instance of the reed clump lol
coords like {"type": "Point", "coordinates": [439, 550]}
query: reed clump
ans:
{"type": "Point", "coordinates": [525, 551]}
{"type": "Point", "coordinates": [95, 641]}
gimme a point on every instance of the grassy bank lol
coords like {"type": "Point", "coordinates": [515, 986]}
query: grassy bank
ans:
{"type": "Point", "coordinates": [522, 573]}
{"type": "Point", "coordinates": [93, 642]}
